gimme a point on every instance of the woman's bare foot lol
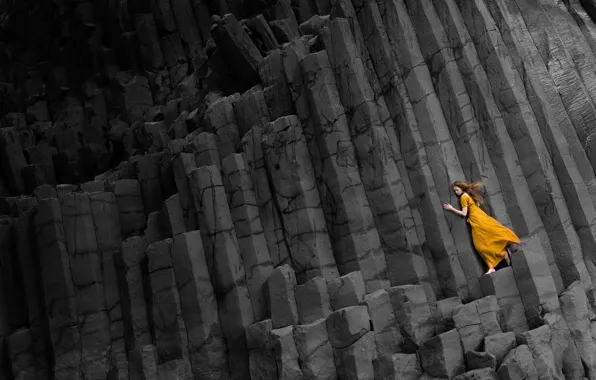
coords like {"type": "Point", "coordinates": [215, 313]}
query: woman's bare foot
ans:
{"type": "Point", "coordinates": [491, 270]}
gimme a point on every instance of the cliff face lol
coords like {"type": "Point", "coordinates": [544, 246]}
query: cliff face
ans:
{"type": "Point", "coordinates": [197, 189]}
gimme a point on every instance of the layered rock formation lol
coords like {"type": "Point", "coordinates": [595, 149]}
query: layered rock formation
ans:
{"type": "Point", "coordinates": [200, 189]}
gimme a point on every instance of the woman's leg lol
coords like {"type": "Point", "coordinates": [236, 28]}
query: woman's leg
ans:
{"type": "Point", "coordinates": [507, 258]}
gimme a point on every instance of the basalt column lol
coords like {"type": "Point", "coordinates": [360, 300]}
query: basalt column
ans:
{"type": "Point", "coordinates": [225, 265]}
{"type": "Point", "coordinates": [350, 220]}
{"type": "Point", "coordinates": [60, 292]}
{"type": "Point", "coordinates": [290, 168]}
{"type": "Point", "coordinates": [441, 243]}
{"type": "Point", "coordinates": [379, 172]}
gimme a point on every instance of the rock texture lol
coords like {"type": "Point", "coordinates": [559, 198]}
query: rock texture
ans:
{"type": "Point", "coordinates": [233, 189]}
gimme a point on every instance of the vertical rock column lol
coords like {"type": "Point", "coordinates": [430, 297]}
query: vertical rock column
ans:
{"type": "Point", "coordinates": [353, 343]}
{"type": "Point", "coordinates": [13, 160]}
{"type": "Point", "coordinates": [87, 277]}
{"type": "Point", "coordinates": [225, 266]}
{"type": "Point", "coordinates": [130, 206]}
{"type": "Point", "coordinates": [147, 168]}
{"type": "Point", "coordinates": [183, 164]}
{"type": "Point", "coordinates": [290, 169]}
{"type": "Point", "coordinates": [104, 210]}
{"type": "Point", "coordinates": [169, 330]}
{"type": "Point", "coordinates": [221, 121]}
{"type": "Point", "coordinates": [28, 256]}
{"type": "Point", "coordinates": [249, 231]}
{"type": "Point", "coordinates": [60, 295]}
{"type": "Point", "coordinates": [133, 299]}
{"type": "Point", "coordinates": [350, 221]}
{"type": "Point", "coordinates": [574, 307]}
{"type": "Point", "coordinates": [270, 214]}
{"type": "Point", "coordinates": [379, 172]}
{"type": "Point", "coordinates": [365, 44]}
{"type": "Point", "coordinates": [502, 284]}
{"type": "Point", "coordinates": [276, 93]}
{"type": "Point", "coordinates": [450, 274]}
{"type": "Point", "coordinates": [206, 346]}
{"type": "Point", "coordinates": [388, 338]}
{"type": "Point", "coordinates": [524, 215]}
{"type": "Point", "coordinates": [250, 109]}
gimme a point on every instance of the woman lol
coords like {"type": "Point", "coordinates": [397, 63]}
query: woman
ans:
{"type": "Point", "coordinates": [490, 237]}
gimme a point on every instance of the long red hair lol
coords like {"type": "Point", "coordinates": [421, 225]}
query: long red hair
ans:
{"type": "Point", "coordinates": [472, 189]}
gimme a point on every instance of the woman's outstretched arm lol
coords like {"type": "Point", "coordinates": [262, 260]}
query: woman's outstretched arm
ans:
{"type": "Point", "coordinates": [463, 212]}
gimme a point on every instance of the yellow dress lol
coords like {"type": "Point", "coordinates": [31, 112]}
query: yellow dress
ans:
{"type": "Point", "coordinates": [489, 236]}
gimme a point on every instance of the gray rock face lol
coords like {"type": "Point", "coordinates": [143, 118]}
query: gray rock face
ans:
{"type": "Point", "coordinates": [209, 189]}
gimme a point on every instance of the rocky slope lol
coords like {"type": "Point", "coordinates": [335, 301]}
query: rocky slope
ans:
{"type": "Point", "coordinates": [202, 189]}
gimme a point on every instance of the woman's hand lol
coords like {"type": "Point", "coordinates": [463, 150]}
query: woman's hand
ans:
{"type": "Point", "coordinates": [448, 207]}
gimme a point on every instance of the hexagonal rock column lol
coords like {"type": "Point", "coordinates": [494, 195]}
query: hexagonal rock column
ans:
{"type": "Point", "coordinates": [378, 169]}
{"type": "Point", "coordinates": [574, 307]}
{"type": "Point", "coordinates": [104, 210]}
{"type": "Point", "coordinates": [249, 230]}
{"type": "Point", "coordinates": [314, 351]}
{"type": "Point", "coordinates": [475, 320]}
{"type": "Point", "coordinates": [281, 295]}
{"type": "Point", "coordinates": [388, 338]}
{"type": "Point", "coordinates": [148, 174]}
{"type": "Point", "coordinates": [169, 330]}
{"type": "Point", "coordinates": [270, 216]}
{"type": "Point", "coordinates": [413, 314]}
{"type": "Point", "coordinates": [312, 300]}
{"type": "Point", "coordinates": [536, 285]}
{"type": "Point", "coordinates": [250, 109]}
{"type": "Point", "coordinates": [286, 353]}
{"type": "Point", "coordinates": [350, 220]}
{"type": "Point", "coordinates": [59, 290]}
{"type": "Point", "coordinates": [499, 345]}
{"type": "Point", "coordinates": [28, 259]}
{"type": "Point", "coordinates": [87, 277]}
{"type": "Point", "coordinates": [442, 356]}
{"type": "Point", "coordinates": [353, 344]}
{"type": "Point", "coordinates": [260, 351]}
{"type": "Point", "coordinates": [225, 265]}
{"type": "Point", "coordinates": [182, 165]}
{"type": "Point", "coordinates": [538, 341]}
{"type": "Point", "coordinates": [442, 312]}
{"type": "Point", "coordinates": [290, 167]}
{"type": "Point", "coordinates": [133, 299]}
{"type": "Point", "coordinates": [220, 120]}
{"type": "Point", "coordinates": [130, 206]}
{"type": "Point", "coordinates": [276, 93]}
{"type": "Point", "coordinates": [370, 46]}
{"type": "Point", "coordinates": [378, 21]}
{"type": "Point", "coordinates": [518, 363]}
{"type": "Point", "coordinates": [502, 284]}
{"type": "Point", "coordinates": [206, 346]}
{"type": "Point", "coordinates": [13, 159]}
{"type": "Point", "coordinates": [347, 290]}
{"type": "Point", "coordinates": [206, 150]}
{"type": "Point", "coordinates": [171, 216]}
